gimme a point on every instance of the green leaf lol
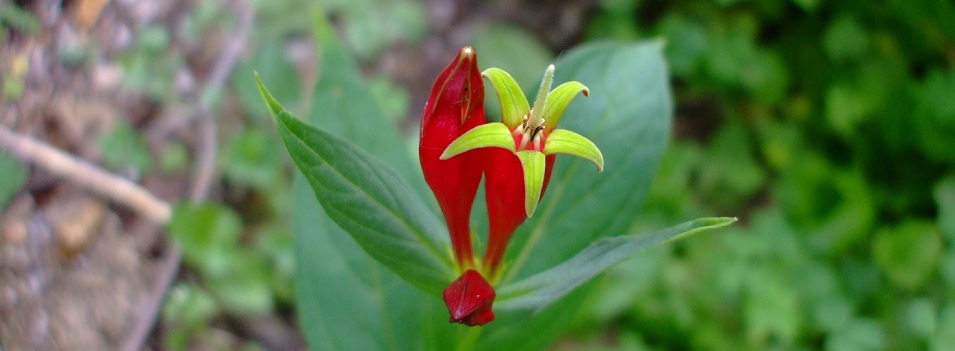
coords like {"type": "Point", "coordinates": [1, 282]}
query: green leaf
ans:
{"type": "Point", "coordinates": [125, 147]}
{"type": "Point", "coordinates": [532, 162]}
{"type": "Point", "coordinates": [14, 177]}
{"type": "Point", "coordinates": [245, 288]}
{"type": "Point", "coordinates": [629, 108]}
{"type": "Point", "coordinates": [562, 141]}
{"type": "Point", "coordinates": [348, 300]}
{"type": "Point", "coordinates": [250, 158]}
{"type": "Point", "coordinates": [628, 117]}
{"type": "Point", "coordinates": [274, 106]}
{"type": "Point", "coordinates": [945, 204]}
{"type": "Point", "coordinates": [542, 289]}
{"type": "Point", "coordinates": [372, 203]}
{"type": "Point", "coordinates": [208, 235]}
{"type": "Point", "coordinates": [188, 305]}
{"type": "Point", "coordinates": [908, 253]}
{"type": "Point", "coordinates": [19, 19]}
{"type": "Point", "coordinates": [485, 135]}
{"type": "Point", "coordinates": [858, 335]}
{"type": "Point", "coordinates": [514, 106]}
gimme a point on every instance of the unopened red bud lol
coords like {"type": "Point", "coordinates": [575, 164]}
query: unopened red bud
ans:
{"type": "Point", "coordinates": [456, 105]}
{"type": "Point", "coordinates": [469, 299]}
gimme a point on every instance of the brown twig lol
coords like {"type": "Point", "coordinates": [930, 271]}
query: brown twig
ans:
{"type": "Point", "coordinates": [85, 174]}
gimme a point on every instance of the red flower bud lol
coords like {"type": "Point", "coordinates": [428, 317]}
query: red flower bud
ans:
{"type": "Point", "coordinates": [456, 105]}
{"type": "Point", "coordinates": [469, 299]}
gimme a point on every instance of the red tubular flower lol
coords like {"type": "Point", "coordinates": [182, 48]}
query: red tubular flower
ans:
{"type": "Point", "coordinates": [456, 105]}
{"type": "Point", "coordinates": [505, 195]}
{"type": "Point", "coordinates": [517, 162]}
{"type": "Point", "coordinates": [521, 154]}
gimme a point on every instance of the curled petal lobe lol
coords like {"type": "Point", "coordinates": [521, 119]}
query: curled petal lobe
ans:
{"type": "Point", "coordinates": [514, 105]}
{"type": "Point", "coordinates": [488, 135]}
{"type": "Point", "coordinates": [558, 100]}
{"type": "Point", "coordinates": [562, 141]}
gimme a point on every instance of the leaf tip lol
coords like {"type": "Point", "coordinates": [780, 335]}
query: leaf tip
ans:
{"type": "Point", "coordinates": [717, 222]}
{"type": "Point", "coordinates": [273, 105]}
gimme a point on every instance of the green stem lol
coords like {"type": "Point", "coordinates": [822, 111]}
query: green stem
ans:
{"type": "Point", "coordinates": [470, 339]}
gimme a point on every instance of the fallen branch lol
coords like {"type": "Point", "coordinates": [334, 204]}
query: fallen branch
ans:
{"type": "Point", "coordinates": [85, 174]}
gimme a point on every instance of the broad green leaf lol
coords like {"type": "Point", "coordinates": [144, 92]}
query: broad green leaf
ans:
{"type": "Point", "coordinates": [628, 117]}
{"type": "Point", "coordinates": [348, 301]}
{"type": "Point", "coordinates": [544, 288]}
{"type": "Point", "coordinates": [371, 202]}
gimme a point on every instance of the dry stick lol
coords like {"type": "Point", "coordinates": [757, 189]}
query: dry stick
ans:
{"type": "Point", "coordinates": [85, 175]}
{"type": "Point", "coordinates": [205, 170]}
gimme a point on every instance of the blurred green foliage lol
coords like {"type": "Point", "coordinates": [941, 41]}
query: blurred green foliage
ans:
{"type": "Point", "coordinates": [15, 177]}
{"type": "Point", "coordinates": [830, 126]}
{"type": "Point", "coordinates": [124, 148]}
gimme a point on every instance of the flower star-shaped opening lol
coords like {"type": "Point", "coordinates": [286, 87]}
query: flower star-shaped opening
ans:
{"type": "Point", "coordinates": [530, 134]}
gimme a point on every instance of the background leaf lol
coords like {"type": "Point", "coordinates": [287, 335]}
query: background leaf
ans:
{"type": "Point", "coordinates": [627, 116]}
{"type": "Point", "coordinates": [14, 178]}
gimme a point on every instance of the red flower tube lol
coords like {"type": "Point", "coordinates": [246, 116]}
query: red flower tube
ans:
{"type": "Point", "coordinates": [455, 106]}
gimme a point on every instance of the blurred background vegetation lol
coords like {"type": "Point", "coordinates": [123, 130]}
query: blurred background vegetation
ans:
{"type": "Point", "coordinates": [828, 127]}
